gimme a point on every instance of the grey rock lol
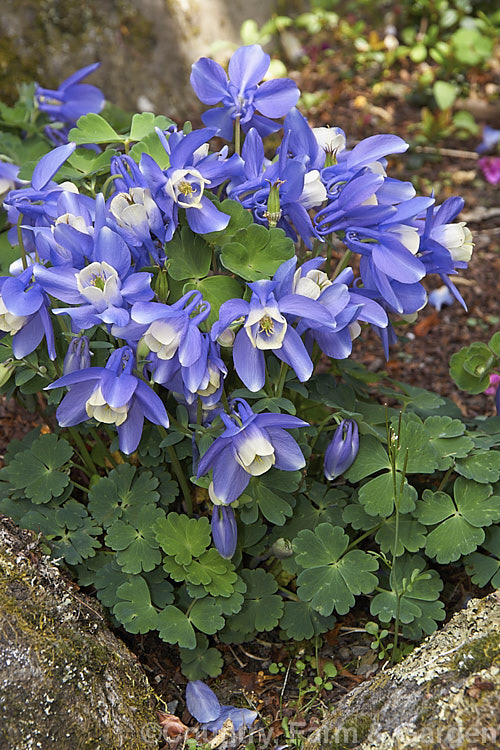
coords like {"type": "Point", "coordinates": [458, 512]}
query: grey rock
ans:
{"type": "Point", "coordinates": [66, 681]}
{"type": "Point", "coordinates": [146, 48]}
{"type": "Point", "coordinates": [446, 694]}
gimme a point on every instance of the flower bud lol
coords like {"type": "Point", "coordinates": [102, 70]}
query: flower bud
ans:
{"type": "Point", "coordinates": [342, 450]}
{"type": "Point", "coordinates": [224, 530]}
{"type": "Point", "coordinates": [78, 355]}
{"type": "Point", "coordinates": [6, 370]}
{"type": "Point", "coordinates": [161, 288]}
{"type": "Point", "coordinates": [273, 213]}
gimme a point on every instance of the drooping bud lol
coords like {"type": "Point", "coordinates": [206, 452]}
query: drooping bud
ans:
{"type": "Point", "coordinates": [342, 450]}
{"type": "Point", "coordinates": [224, 530]}
{"type": "Point", "coordinates": [78, 355]}
{"type": "Point", "coordinates": [273, 213]}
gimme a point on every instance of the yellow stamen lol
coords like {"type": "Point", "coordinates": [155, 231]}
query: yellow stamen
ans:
{"type": "Point", "coordinates": [266, 325]}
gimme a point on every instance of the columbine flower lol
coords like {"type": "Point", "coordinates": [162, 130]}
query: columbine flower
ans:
{"type": "Point", "coordinates": [224, 531]}
{"type": "Point", "coordinates": [182, 185]}
{"type": "Point", "coordinates": [241, 95]}
{"type": "Point", "coordinates": [103, 290]}
{"type": "Point", "coordinates": [265, 328]}
{"type": "Point", "coordinates": [279, 193]}
{"type": "Point", "coordinates": [23, 314]}
{"type": "Point", "coordinates": [342, 450]}
{"type": "Point", "coordinates": [204, 705]}
{"type": "Point", "coordinates": [72, 99]}
{"type": "Point", "coordinates": [250, 445]}
{"type": "Point", "coordinates": [112, 395]}
{"type": "Point", "coordinates": [446, 247]}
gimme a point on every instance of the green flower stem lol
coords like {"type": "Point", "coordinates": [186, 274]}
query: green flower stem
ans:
{"type": "Point", "coordinates": [445, 478]}
{"type": "Point", "coordinates": [176, 464]}
{"type": "Point", "coordinates": [397, 503]}
{"type": "Point", "coordinates": [320, 429]}
{"type": "Point", "coordinates": [82, 451]}
{"type": "Point", "coordinates": [363, 536]}
{"type": "Point", "coordinates": [281, 382]}
{"type": "Point", "coordinates": [103, 445]}
{"type": "Point", "coordinates": [80, 467]}
{"type": "Point", "coordinates": [178, 426]}
{"type": "Point", "coordinates": [342, 263]}
{"type": "Point", "coordinates": [22, 250]}
{"type": "Point", "coordinates": [80, 486]}
{"type": "Point", "coordinates": [108, 182]}
{"type": "Point", "coordinates": [237, 136]}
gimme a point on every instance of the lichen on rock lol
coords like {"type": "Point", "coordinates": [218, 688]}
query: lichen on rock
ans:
{"type": "Point", "coordinates": [66, 681]}
{"type": "Point", "coordinates": [446, 694]}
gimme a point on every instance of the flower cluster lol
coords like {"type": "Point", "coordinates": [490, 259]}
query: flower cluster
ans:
{"type": "Point", "coordinates": [101, 263]}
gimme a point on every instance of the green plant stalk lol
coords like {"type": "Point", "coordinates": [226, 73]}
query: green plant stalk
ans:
{"type": "Point", "coordinates": [394, 555]}
{"type": "Point", "coordinates": [176, 464]}
{"type": "Point", "coordinates": [82, 451]}
{"type": "Point", "coordinates": [103, 445]}
{"type": "Point", "coordinates": [342, 264]}
{"type": "Point", "coordinates": [281, 381]}
{"type": "Point", "coordinates": [22, 250]}
{"type": "Point", "coordinates": [237, 136]}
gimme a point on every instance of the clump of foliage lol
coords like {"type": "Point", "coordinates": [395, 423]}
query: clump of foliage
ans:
{"type": "Point", "coordinates": [168, 308]}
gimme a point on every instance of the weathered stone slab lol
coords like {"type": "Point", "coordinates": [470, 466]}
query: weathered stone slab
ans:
{"type": "Point", "coordinates": [66, 681]}
{"type": "Point", "coordinates": [446, 694]}
{"type": "Point", "coordinates": [146, 48]}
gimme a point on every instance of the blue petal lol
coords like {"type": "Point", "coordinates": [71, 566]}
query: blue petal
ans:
{"type": "Point", "coordinates": [288, 454]}
{"type": "Point", "coordinates": [253, 154]}
{"type": "Point", "coordinates": [110, 247]}
{"type": "Point", "coordinates": [118, 391]}
{"type": "Point", "coordinates": [182, 153]}
{"type": "Point", "coordinates": [248, 66]}
{"type": "Point", "coordinates": [229, 478]}
{"type": "Point", "coordinates": [249, 362]}
{"type": "Point", "coordinates": [304, 307]}
{"type": "Point", "coordinates": [59, 282]}
{"type": "Point", "coordinates": [50, 164]}
{"type": "Point", "coordinates": [375, 147]}
{"type": "Point", "coordinates": [209, 81]}
{"type": "Point", "coordinates": [395, 260]}
{"type": "Point", "coordinates": [129, 433]}
{"type": "Point", "coordinates": [151, 404]}
{"type": "Point", "coordinates": [277, 97]}
{"type": "Point", "coordinates": [27, 339]}
{"type": "Point", "coordinates": [79, 75]}
{"type": "Point", "coordinates": [210, 455]}
{"type": "Point", "coordinates": [238, 716]}
{"type": "Point", "coordinates": [71, 410]}
{"type": "Point", "coordinates": [201, 701]}
{"type": "Point", "coordinates": [222, 119]}
{"type": "Point", "coordinates": [207, 218]}
{"type": "Point", "coordinates": [17, 300]}
{"type": "Point", "coordinates": [294, 353]}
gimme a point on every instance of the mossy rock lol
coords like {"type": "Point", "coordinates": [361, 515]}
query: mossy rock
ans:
{"type": "Point", "coordinates": [66, 681]}
{"type": "Point", "coordinates": [446, 694]}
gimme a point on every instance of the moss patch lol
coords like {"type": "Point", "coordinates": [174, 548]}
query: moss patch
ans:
{"type": "Point", "coordinates": [477, 655]}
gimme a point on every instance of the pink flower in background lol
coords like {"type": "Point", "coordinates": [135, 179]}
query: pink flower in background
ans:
{"type": "Point", "coordinates": [490, 166]}
{"type": "Point", "coordinates": [493, 386]}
